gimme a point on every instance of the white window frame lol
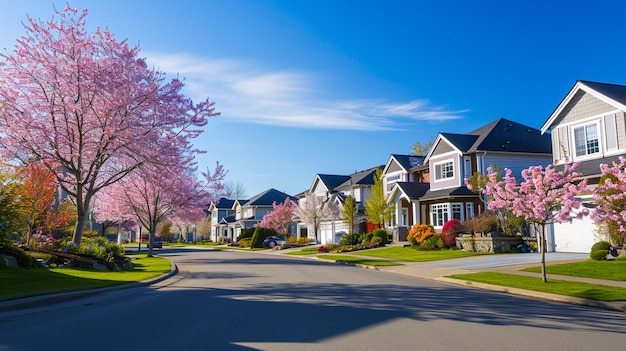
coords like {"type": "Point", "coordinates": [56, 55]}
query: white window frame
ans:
{"type": "Point", "coordinates": [598, 141]}
{"type": "Point", "coordinates": [434, 214]}
{"type": "Point", "coordinates": [459, 207]}
{"type": "Point", "coordinates": [439, 173]}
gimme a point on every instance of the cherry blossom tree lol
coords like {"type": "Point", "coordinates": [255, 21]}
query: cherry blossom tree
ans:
{"type": "Point", "coordinates": [151, 196]}
{"type": "Point", "coordinates": [546, 195]}
{"type": "Point", "coordinates": [280, 217]}
{"type": "Point", "coordinates": [86, 104]}
{"type": "Point", "coordinates": [610, 199]}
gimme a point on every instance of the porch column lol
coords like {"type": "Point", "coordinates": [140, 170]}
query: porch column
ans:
{"type": "Point", "coordinates": [415, 208]}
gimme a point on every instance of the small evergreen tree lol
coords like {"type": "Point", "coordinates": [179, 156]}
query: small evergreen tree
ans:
{"type": "Point", "coordinates": [350, 213]}
{"type": "Point", "coordinates": [377, 208]}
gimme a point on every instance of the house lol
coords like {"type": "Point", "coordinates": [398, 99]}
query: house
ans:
{"type": "Point", "coordinates": [588, 126]}
{"type": "Point", "coordinates": [248, 213]}
{"type": "Point", "coordinates": [440, 193]}
{"type": "Point", "coordinates": [222, 215]}
{"type": "Point", "coordinates": [330, 192]}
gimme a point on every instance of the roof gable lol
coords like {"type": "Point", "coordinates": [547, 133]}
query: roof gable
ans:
{"type": "Point", "coordinates": [268, 198]}
{"type": "Point", "coordinates": [508, 136]}
{"type": "Point", "coordinates": [611, 94]}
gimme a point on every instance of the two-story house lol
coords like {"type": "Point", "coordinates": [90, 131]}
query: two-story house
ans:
{"type": "Point", "coordinates": [221, 213]}
{"type": "Point", "coordinates": [588, 126]}
{"type": "Point", "coordinates": [248, 213]}
{"type": "Point", "coordinates": [332, 190]}
{"type": "Point", "coordinates": [452, 159]}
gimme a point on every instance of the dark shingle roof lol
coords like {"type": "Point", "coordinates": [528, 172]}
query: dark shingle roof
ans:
{"type": "Point", "coordinates": [502, 135]}
{"type": "Point", "coordinates": [612, 91]}
{"type": "Point", "coordinates": [332, 180]}
{"type": "Point", "coordinates": [365, 177]}
{"type": "Point", "coordinates": [447, 193]}
{"type": "Point", "coordinates": [408, 161]}
{"type": "Point", "coordinates": [414, 190]}
{"type": "Point", "coordinates": [268, 197]}
{"type": "Point", "coordinates": [224, 203]}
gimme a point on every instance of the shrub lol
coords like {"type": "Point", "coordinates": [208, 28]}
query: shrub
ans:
{"type": "Point", "coordinates": [350, 239]}
{"type": "Point", "coordinates": [382, 234]}
{"type": "Point", "coordinates": [451, 229]}
{"type": "Point", "coordinates": [259, 235]}
{"type": "Point", "coordinates": [420, 232]}
{"type": "Point", "coordinates": [601, 245]}
{"type": "Point", "coordinates": [431, 243]}
{"type": "Point", "coordinates": [599, 255]}
{"type": "Point", "coordinates": [366, 238]}
{"type": "Point", "coordinates": [303, 241]}
{"type": "Point", "coordinates": [23, 259]}
{"type": "Point", "coordinates": [245, 242]}
{"type": "Point", "coordinates": [246, 233]}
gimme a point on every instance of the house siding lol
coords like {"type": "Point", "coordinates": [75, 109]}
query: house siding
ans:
{"type": "Point", "coordinates": [449, 183]}
{"type": "Point", "coordinates": [583, 107]}
{"type": "Point", "coordinates": [442, 148]}
{"type": "Point", "coordinates": [516, 163]}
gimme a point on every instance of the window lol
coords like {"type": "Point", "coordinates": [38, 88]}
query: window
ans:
{"type": "Point", "coordinates": [392, 180]}
{"type": "Point", "coordinates": [405, 217]}
{"type": "Point", "coordinates": [456, 211]}
{"type": "Point", "coordinates": [586, 140]}
{"type": "Point", "coordinates": [469, 210]}
{"type": "Point", "coordinates": [444, 170]}
{"type": "Point", "coordinates": [439, 214]}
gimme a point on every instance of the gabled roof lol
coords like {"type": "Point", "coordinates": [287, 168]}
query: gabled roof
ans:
{"type": "Point", "coordinates": [612, 94]}
{"type": "Point", "coordinates": [330, 181]}
{"type": "Point", "coordinates": [268, 197]}
{"type": "Point", "coordinates": [221, 204]}
{"type": "Point", "coordinates": [365, 177]}
{"type": "Point", "coordinates": [501, 135]}
{"type": "Point", "coordinates": [412, 190]}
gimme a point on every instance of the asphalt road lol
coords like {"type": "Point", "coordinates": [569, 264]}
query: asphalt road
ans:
{"type": "Point", "coordinates": [248, 301]}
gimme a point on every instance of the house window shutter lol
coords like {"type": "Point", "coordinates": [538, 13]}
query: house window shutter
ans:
{"type": "Point", "coordinates": [610, 127]}
{"type": "Point", "coordinates": [563, 143]}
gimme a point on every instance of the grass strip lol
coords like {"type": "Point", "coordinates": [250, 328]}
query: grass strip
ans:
{"type": "Point", "coordinates": [358, 260]}
{"type": "Point", "coordinates": [306, 251]}
{"type": "Point", "coordinates": [608, 270]}
{"type": "Point", "coordinates": [27, 282]}
{"type": "Point", "coordinates": [413, 255]}
{"type": "Point", "coordinates": [553, 286]}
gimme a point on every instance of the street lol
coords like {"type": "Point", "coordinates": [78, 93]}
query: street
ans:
{"type": "Point", "coordinates": [253, 301]}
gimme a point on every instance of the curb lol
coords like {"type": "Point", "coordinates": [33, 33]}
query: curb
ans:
{"type": "Point", "coordinates": [42, 300]}
{"type": "Point", "coordinates": [616, 306]}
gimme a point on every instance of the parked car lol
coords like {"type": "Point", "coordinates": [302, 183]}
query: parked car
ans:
{"type": "Point", "coordinates": [157, 241]}
{"type": "Point", "coordinates": [273, 241]}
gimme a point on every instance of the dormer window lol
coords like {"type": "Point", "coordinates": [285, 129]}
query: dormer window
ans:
{"type": "Point", "coordinates": [587, 140]}
{"type": "Point", "coordinates": [444, 170]}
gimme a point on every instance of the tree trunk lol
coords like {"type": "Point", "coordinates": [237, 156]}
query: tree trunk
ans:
{"type": "Point", "coordinates": [543, 253]}
{"type": "Point", "coordinates": [80, 225]}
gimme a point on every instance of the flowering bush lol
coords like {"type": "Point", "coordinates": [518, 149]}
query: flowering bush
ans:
{"type": "Point", "coordinates": [450, 230]}
{"type": "Point", "coordinates": [419, 233]}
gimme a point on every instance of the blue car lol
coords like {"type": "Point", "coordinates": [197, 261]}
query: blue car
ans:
{"type": "Point", "coordinates": [273, 241]}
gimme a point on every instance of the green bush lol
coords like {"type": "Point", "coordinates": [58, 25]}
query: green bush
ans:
{"type": "Point", "coordinates": [599, 255]}
{"type": "Point", "coordinates": [601, 245]}
{"type": "Point", "coordinates": [382, 234]}
{"type": "Point", "coordinates": [23, 259]}
{"type": "Point", "coordinates": [350, 239]}
{"type": "Point", "coordinates": [246, 233]}
{"type": "Point", "coordinates": [431, 243]}
{"type": "Point", "coordinates": [259, 235]}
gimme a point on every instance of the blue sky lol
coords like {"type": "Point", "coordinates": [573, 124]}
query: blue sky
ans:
{"type": "Point", "coordinates": [307, 87]}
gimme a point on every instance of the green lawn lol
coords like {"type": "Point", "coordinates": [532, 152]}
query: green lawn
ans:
{"type": "Point", "coordinates": [358, 260]}
{"type": "Point", "coordinates": [20, 282]}
{"type": "Point", "coordinates": [413, 255]}
{"type": "Point", "coordinates": [609, 270]}
{"type": "Point", "coordinates": [305, 251]}
{"type": "Point", "coordinates": [559, 287]}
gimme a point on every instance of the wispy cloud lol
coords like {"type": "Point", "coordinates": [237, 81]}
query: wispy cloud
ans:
{"type": "Point", "coordinates": [243, 91]}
